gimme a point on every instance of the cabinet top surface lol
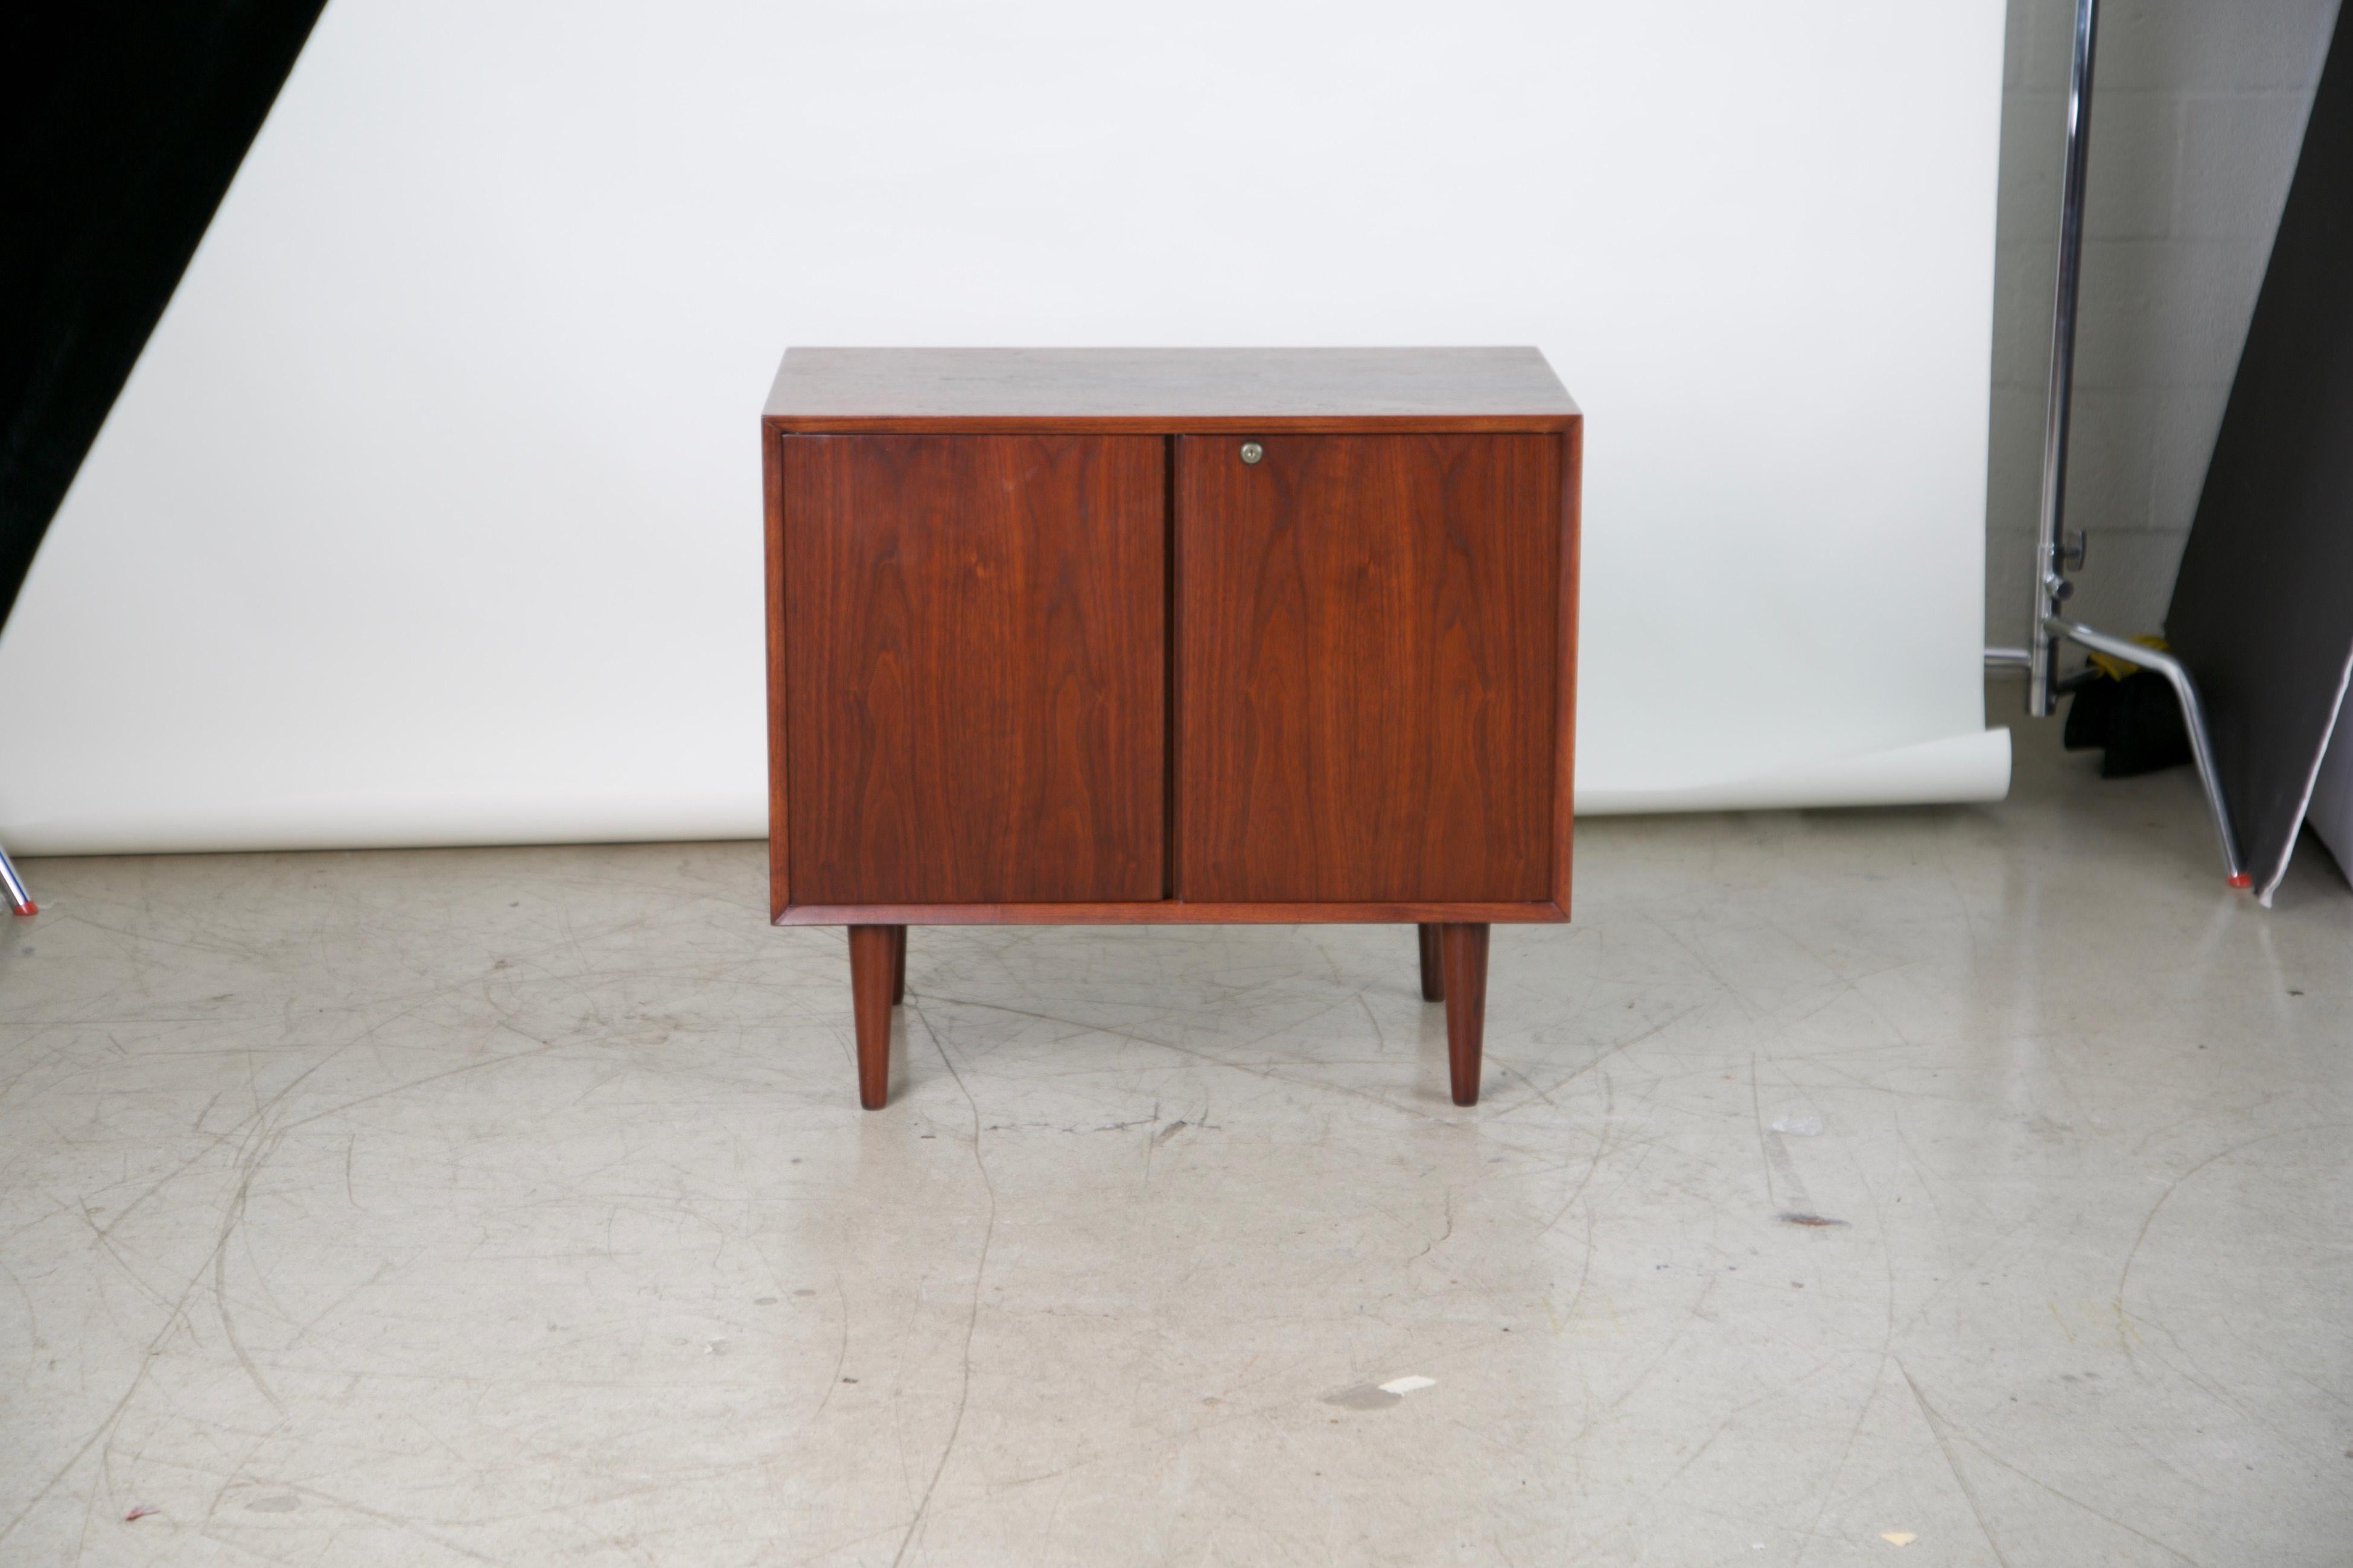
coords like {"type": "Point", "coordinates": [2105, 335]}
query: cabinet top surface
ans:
{"type": "Point", "coordinates": [1168, 389]}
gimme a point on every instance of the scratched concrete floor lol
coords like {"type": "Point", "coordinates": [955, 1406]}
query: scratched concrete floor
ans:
{"type": "Point", "coordinates": [513, 1207]}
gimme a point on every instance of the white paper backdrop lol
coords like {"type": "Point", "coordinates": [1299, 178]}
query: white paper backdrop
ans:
{"type": "Point", "coordinates": [431, 514]}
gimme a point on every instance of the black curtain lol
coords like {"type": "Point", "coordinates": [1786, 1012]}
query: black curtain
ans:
{"type": "Point", "coordinates": [120, 125]}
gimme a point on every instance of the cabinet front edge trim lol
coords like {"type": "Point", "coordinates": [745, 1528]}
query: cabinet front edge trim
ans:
{"type": "Point", "coordinates": [1171, 425]}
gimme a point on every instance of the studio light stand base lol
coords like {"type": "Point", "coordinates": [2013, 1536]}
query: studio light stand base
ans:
{"type": "Point", "coordinates": [2194, 719]}
{"type": "Point", "coordinates": [18, 899]}
{"type": "Point", "coordinates": [2056, 551]}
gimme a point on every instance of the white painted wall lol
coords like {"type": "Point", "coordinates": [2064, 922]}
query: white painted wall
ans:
{"type": "Point", "coordinates": [2197, 113]}
{"type": "Point", "coordinates": [431, 514]}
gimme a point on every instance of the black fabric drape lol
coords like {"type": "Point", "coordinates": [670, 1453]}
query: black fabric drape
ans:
{"type": "Point", "coordinates": [2262, 608]}
{"type": "Point", "coordinates": [121, 123]}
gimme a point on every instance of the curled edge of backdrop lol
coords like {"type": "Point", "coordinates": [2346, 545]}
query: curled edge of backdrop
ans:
{"type": "Point", "coordinates": [1950, 770]}
{"type": "Point", "coordinates": [1953, 770]}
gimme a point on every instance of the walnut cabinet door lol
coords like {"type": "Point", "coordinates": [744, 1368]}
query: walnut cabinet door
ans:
{"type": "Point", "coordinates": [974, 666]}
{"type": "Point", "coordinates": [1367, 653]}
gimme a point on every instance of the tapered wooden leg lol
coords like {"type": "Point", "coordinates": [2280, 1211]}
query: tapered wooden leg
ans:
{"type": "Point", "coordinates": [1463, 959]}
{"type": "Point", "coordinates": [1433, 988]}
{"type": "Point", "coordinates": [898, 965]}
{"type": "Point", "coordinates": [874, 963]}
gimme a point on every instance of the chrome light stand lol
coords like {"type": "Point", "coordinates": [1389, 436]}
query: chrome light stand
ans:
{"type": "Point", "coordinates": [2056, 552]}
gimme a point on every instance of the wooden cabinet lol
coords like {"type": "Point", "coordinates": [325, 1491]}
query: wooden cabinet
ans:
{"type": "Point", "coordinates": [1114, 636]}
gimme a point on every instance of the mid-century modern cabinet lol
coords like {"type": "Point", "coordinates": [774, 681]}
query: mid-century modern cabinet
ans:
{"type": "Point", "coordinates": [1096, 637]}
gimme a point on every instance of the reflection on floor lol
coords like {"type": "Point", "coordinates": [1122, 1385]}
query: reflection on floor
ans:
{"type": "Point", "coordinates": [1918, 1186]}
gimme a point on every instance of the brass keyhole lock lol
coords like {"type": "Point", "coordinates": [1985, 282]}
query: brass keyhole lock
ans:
{"type": "Point", "coordinates": [1253, 451]}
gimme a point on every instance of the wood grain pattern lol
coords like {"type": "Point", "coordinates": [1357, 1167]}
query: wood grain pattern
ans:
{"type": "Point", "coordinates": [1368, 667]}
{"type": "Point", "coordinates": [1167, 390]}
{"type": "Point", "coordinates": [973, 656]}
{"type": "Point", "coordinates": [873, 964]}
{"type": "Point", "coordinates": [1463, 950]}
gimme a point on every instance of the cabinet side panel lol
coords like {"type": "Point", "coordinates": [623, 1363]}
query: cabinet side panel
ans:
{"type": "Point", "coordinates": [1370, 656]}
{"type": "Point", "coordinates": [1572, 476]}
{"type": "Point", "coordinates": [974, 666]}
{"type": "Point", "coordinates": [772, 489]}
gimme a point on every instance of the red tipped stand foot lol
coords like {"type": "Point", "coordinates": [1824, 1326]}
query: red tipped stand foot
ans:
{"type": "Point", "coordinates": [2241, 879]}
{"type": "Point", "coordinates": [20, 897]}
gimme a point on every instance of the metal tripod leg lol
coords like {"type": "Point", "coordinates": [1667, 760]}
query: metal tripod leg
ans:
{"type": "Point", "coordinates": [2194, 719]}
{"type": "Point", "coordinates": [18, 899]}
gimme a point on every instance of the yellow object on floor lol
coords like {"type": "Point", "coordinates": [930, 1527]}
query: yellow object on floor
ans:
{"type": "Point", "coordinates": [2116, 668]}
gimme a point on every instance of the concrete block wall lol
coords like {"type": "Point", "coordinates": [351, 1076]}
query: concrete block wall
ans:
{"type": "Point", "coordinates": [2198, 112]}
